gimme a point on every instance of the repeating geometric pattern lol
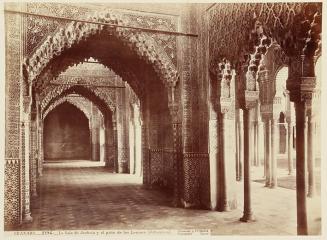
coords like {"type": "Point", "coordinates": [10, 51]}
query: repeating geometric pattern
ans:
{"type": "Point", "coordinates": [11, 192]}
{"type": "Point", "coordinates": [194, 165]}
{"type": "Point", "coordinates": [38, 28]}
{"type": "Point", "coordinates": [76, 33]}
{"type": "Point", "coordinates": [161, 168]}
{"type": "Point", "coordinates": [279, 20]}
{"type": "Point", "coordinates": [78, 101]}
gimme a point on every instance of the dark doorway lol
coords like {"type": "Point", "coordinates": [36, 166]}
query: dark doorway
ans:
{"type": "Point", "coordinates": [66, 134]}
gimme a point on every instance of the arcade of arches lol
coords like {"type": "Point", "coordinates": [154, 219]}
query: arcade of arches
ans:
{"type": "Point", "coordinates": [173, 106]}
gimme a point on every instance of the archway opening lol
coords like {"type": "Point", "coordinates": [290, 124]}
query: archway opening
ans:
{"type": "Point", "coordinates": [285, 110]}
{"type": "Point", "coordinates": [139, 77]}
{"type": "Point", "coordinates": [138, 127]}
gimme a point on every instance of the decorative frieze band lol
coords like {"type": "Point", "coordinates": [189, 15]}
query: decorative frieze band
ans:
{"type": "Point", "coordinates": [12, 161]}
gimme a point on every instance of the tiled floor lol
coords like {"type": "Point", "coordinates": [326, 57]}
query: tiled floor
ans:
{"type": "Point", "coordinates": [84, 195]}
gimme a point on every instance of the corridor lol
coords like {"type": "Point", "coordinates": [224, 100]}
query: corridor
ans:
{"type": "Point", "coordinates": [76, 195]}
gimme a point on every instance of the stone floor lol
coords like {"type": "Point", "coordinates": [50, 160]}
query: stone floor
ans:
{"type": "Point", "coordinates": [84, 195]}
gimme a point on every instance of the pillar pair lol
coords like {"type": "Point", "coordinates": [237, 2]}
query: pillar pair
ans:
{"type": "Point", "coordinates": [301, 84]}
{"type": "Point", "coordinates": [271, 141]}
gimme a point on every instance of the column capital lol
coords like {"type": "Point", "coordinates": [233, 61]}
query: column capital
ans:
{"type": "Point", "coordinates": [225, 105]}
{"type": "Point", "coordinates": [301, 81]}
{"type": "Point", "coordinates": [251, 99]}
{"type": "Point", "coordinates": [263, 76]}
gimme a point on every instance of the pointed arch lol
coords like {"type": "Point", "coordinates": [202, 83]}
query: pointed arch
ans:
{"type": "Point", "coordinates": [77, 32]}
{"type": "Point", "coordinates": [67, 99]}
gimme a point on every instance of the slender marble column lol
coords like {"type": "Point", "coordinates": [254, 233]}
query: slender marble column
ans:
{"type": "Point", "coordinates": [311, 155]}
{"type": "Point", "coordinates": [225, 154]}
{"type": "Point", "coordinates": [274, 151]}
{"type": "Point", "coordinates": [267, 135]}
{"type": "Point", "coordinates": [241, 145]}
{"type": "Point", "coordinates": [95, 137]}
{"type": "Point", "coordinates": [131, 147]}
{"type": "Point", "coordinates": [302, 225]}
{"type": "Point", "coordinates": [259, 144]}
{"type": "Point", "coordinates": [248, 155]}
{"type": "Point", "coordinates": [41, 150]}
{"type": "Point", "coordinates": [264, 152]}
{"type": "Point", "coordinates": [237, 153]}
{"type": "Point", "coordinates": [290, 148]}
{"type": "Point", "coordinates": [115, 144]}
{"type": "Point", "coordinates": [213, 158]}
{"type": "Point", "coordinates": [255, 143]}
{"type": "Point", "coordinates": [33, 158]}
{"type": "Point", "coordinates": [27, 210]}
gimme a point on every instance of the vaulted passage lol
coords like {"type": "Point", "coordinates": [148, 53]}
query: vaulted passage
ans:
{"type": "Point", "coordinates": [164, 116]}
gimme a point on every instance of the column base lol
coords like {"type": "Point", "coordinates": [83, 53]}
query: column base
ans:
{"type": "Point", "coordinates": [311, 193]}
{"type": "Point", "coordinates": [273, 186]}
{"type": "Point", "coordinates": [122, 167]}
{"type": "Point", "coordinates": [27, 218]}
{"type": "Point", "coordinates": [247, 217]}
{"type": "Point", "coordinates": [176, 203]}
{"type": "Point", "coordinates": [224, 208]}
{"type": "Point", "coordinates": [188, 205]}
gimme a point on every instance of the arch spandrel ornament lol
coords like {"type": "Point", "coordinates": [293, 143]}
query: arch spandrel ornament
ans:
{"type": "Point", "coordinates": [48, 99]}
{"type": "Point", "coordinates": [76, 32]}
{"type": "Point", "coordinates": [68, 99]}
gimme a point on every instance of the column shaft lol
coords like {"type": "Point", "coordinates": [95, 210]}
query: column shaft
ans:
{"type": "Point", "coordinates": [26, 209]}
{"type": "Point", "coordinates": [225, 156]}
{"type": "Point", "coordinates": [248, 155]}
{"type": "Point", "coordinates": [33, 158]}
{"type": "Point", "coordinates": [289, 148]}
{"type": "Point", "coordinates": [95, 132]}
{"type": "Point", "coordinates": [237, 138]}
{"type": "Point", "coordinates": [258, 149]}
{"type": "Point", "coordinates": [213, 158]}
{"type": "Point", "coordinates": [267, 126]}
{"type": "Point", "coordinates": [241, 146]}
{"type": "Point", "coordinates": [311, 156]}
{"type": "Point", "coordinates": [302, 227]}
{"type": "Point", "coordinates": [274, 151]}
{"type": "Point", "coordinates": [255, 143]}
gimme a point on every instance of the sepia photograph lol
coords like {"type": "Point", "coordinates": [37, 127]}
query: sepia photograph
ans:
{"type": "Point", "coordinates": [162, 119]}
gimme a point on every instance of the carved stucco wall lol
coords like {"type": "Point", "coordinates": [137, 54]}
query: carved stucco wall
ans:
{"type": "Point", "coordinates": [89, 75]}
{"type": "Point", "coordinates": [39, 28]}
{"type": "Point", "coordinates": [279, 20]}
{"type": "Point", "coordinates": [13, 148]}
{"type": "Point", "coordinates": [78, 101]}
